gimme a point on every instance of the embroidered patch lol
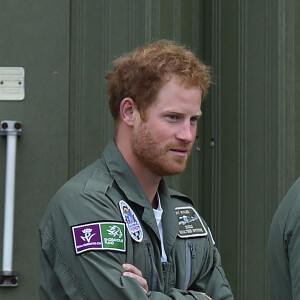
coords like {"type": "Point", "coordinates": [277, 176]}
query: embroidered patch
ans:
{"type": "Point", "coordinates": [132, 222]}
{"type": "Point", "coordinates": [190, 224]}
{"type": "Point", "coordinates": [99, 236]}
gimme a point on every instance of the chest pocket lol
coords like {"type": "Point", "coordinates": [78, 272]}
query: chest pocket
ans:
{"type": "Point", "coordinates": [144, 260]}
{"type": "Point", "coordinates": [190, 256]}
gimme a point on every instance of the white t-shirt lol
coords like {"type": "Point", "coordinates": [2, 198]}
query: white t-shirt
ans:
{"type": "Point", "coordinates": [158, 215]}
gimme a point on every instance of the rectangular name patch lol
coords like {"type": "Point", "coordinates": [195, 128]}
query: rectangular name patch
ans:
{"type": "Point", "coordinates": [99, 236]}
{"type": "Point", "coordinates": [190, 224]}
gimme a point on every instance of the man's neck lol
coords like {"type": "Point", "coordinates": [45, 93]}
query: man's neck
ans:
{"type": "Point", "coordinates": [150, 190]}
{"type": "Point", "coordinates": [148, 181]}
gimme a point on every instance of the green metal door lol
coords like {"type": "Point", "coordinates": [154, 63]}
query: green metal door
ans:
{"type": "Point", "coordinates": [35, 36]}
{"type": "Point", "coordinates": [254, 117]}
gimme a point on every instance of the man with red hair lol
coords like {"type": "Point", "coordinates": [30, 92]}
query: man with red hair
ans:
{"type": "Point", "coordinates": [115, 230]}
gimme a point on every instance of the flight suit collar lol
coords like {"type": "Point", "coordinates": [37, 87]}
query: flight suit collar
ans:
{"type": "Point", "coordinates": [169, 217]}
{"type": "Point", "coordinates": [123, 175]}
{"type": "Point", "coordinates": [129, 184]}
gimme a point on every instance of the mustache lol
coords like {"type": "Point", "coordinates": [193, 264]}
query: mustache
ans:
{"type": "Point", "coordinates": [179, 148]}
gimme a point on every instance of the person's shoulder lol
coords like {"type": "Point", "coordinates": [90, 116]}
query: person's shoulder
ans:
{"type": "Point", "coordinates": [89, 181]}
{"type": "Point", "coordinates": [287, 214]}
{"type": "Point", "coordinates": [180, 198]}
{"type": "Point", "coordinates": [295, 188]}
{"type": "Point", "coordinates": [79, 182]}
{"type": "Point", "coordinates": [82, 197]}
{"type": "Point", "coordinates": [291, 200]}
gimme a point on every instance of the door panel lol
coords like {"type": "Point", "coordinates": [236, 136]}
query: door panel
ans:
{"type": "Point", "coordinates": [35, 35]}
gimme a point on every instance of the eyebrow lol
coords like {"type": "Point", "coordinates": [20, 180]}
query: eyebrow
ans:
{"type": "Point", "coordinates": [198, 114]}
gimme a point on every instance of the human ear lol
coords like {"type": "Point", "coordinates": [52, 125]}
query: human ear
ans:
{"type": "Point", "coordinates": [128, 111]}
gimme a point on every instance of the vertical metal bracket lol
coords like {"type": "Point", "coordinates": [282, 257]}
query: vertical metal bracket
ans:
{"type": "Point", "coordinates": [10, 129]}
{"type": "Point", "coordinates": [8, 279]}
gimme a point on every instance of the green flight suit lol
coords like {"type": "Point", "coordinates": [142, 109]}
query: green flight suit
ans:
{"type": "Point", "coordinates": [93, 195]}
{"type": "Point", "coordinates": [284, 247]}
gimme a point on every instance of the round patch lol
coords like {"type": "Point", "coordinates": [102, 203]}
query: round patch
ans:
{"type": "Point", "coordinates": [132, 223]}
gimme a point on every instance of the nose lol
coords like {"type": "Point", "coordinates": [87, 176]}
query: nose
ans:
{"type": "Point", "coordinates": [186, 133]}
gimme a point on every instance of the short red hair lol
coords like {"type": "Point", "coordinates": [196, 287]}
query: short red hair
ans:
{"type": "Point", "coordinates": [141, 73]}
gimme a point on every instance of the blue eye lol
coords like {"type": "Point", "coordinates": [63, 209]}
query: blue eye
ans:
{"type": "Point", "coordinates": [172, 118]}
{"type": "Point", "coordinates": [194, 120]}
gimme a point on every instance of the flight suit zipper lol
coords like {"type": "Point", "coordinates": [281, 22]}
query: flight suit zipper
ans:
{"type": "Point", "coordinates": [165, 275]}
{"type": "Point", "coordinates": [153, 272]}
{"type": "Point", "coordinates": [189, 262]}
{"type": "Point", "coordinates": [165, 270]}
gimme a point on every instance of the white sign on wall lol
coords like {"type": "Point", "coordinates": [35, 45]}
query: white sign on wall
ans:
{"type": "Point", "coordinates": [12, 83]}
